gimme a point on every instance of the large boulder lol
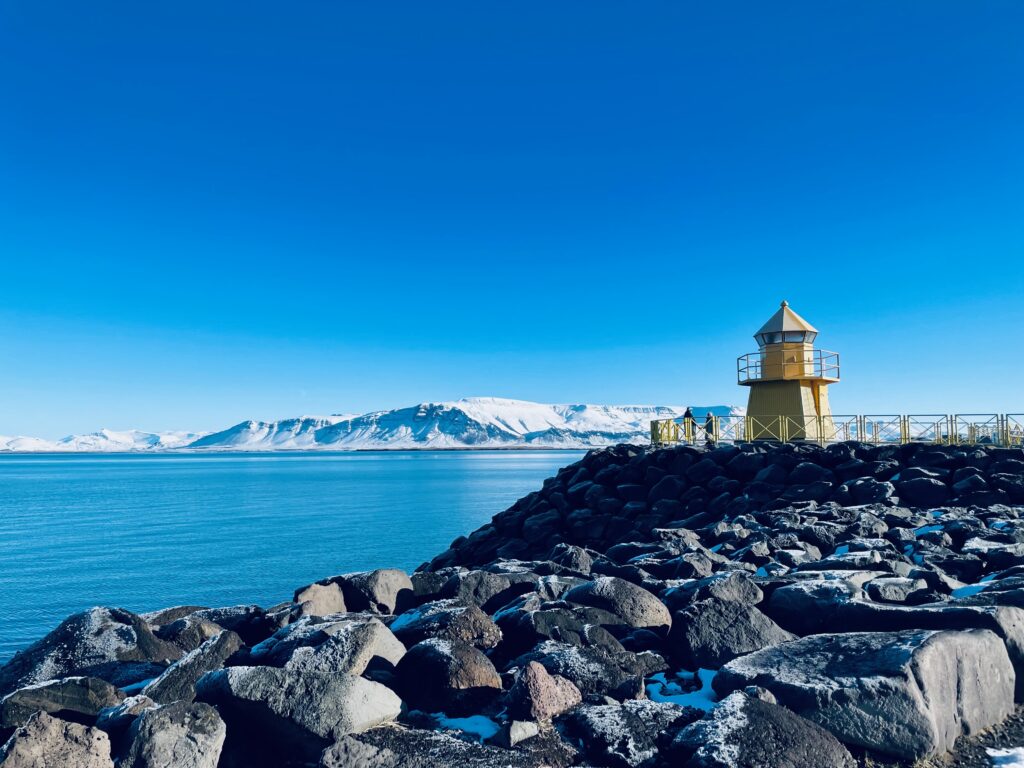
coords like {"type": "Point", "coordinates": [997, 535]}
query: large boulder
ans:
{"type": "Point", "coordinates": [489, 591]}
{"type": "Point", "coordinates": [188, 632]}
{"type": "Point", "coordinates": [296, 713]}
{"type": "Point", "coordinates": [441, 675]}
{"type": "Point", "coordinates": [447, 620]}
{"type": "Point", "coordinates": [322, 598]}
{"type": "Point", "coordinates": [78, 699]}
{"type": "Point", "coordinates": [179, 735]}
{"type": "Point", "coordinates": [109, 643]}
{"type": "Point", "coordinates": [539, 695]}
{"type": "Point", "coordinates": [736, 586]}
{"type": "Point", "coordinates": [349, 644]}
{"type": "Point", "coordinates": [634, 605]}
{"type": "Point", "coordinates": [596, 670]}
{"type": "Point", "coordinates": [47, 742]}
{"type": "Point", "coordinates": [177, 682]}
{"type": "Point", "coordinates": [397, 747]}
{"type": "Point", "coordinates": [909, 694]}
{"type": "Point", "coordinates": [627, 735]}
{"type": "Point", "coordinates": [381, 591]}
{"type": "Point", "coordinates": [746, 732]}
{"type": "Point", "coordinates": [533, 621]}
{"type": "Point", "coordinates": [712, 632]}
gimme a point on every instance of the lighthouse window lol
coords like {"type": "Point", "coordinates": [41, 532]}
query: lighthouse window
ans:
{"type": "Point", "coordinates": [794, 336]}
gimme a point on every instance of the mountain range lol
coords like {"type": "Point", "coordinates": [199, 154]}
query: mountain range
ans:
{"type": "Point", "coordinates": [474, 422]}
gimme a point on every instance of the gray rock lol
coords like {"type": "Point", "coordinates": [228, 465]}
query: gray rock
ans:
{"type": "Point", "coordinates": [898, 589]}
{"type": "Point", "coordinates": [447, 620]}
{"type": "Point", "coordinates": [188, 632]}
{"type": "Point", "coordinates": [380, 591]}
{"type": "Point", "coordinates": [78, 699]}
{"type": "Point", "coordinates": [747, 732]}
{"type": "Point", "coordinates": [348, 643]}
{"type": "Point", "coordinates": [177, 682]}
{"type": "Point", "coordinates": [594, 670]}
{"type": "Point", "coordinates": [397, 747]}
{"type": "Point", "coordinates": [517, 731]}
{"type": "Point", "coordinates": [538, 695]}
{"type": "Point", "coordinates": [301, 711]}
{"type": "Point", "coordinates": [634, 605]}
{"type": "Point", "coordinates": [116, 720]}
{"type": "Point", "coordinates": [320, 599]}
{"type": "Point", "coordinates": [626, 735]}
{"type": "Point", "coordinates": [489, 591]}
{"type": "Point", "coordinates": [712, 632]}
{"type": "Point", "coordinates": [441, 675]}
{"type": "Point", "coordinates": [572, 557]}
{"type": "Point", "coordinates": [736, 586]}
{"type": "Point", "coordinates": [109, 643]}
{"type": "Point", "coordinates": [178, 735]}
{"type": "Point", "coordinates": [46, 742]}
{"type": "Point", "coordinates": [909, 694]}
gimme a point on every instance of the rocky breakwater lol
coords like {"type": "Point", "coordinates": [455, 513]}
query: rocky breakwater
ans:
{"type": "Point", "coordinates": [763, 605]}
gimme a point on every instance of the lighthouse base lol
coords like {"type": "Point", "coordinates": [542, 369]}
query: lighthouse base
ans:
{"type": "Point", "coordinates": [790, 410]}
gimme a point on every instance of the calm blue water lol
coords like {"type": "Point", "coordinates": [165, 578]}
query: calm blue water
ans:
{"type": "Point", "coordinates": [148, 531]}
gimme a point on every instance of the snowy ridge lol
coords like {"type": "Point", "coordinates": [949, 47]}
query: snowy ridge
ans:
{"type": "Point", "coordinates": [474, 422]}
{"type": "Point", "coordinates": [104, 441]}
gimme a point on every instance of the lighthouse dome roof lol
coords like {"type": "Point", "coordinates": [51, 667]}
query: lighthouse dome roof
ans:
{"type": "Point", "coordinates": [785, 319]}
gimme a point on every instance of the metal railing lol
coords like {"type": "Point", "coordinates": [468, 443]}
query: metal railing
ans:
{"type": "Point", "coordinates": [787, 364]}
{"type": "Point", "coordinates": [954, 429]}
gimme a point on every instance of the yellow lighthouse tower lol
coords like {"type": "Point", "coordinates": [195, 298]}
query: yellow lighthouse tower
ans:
{"type": "Point", "coordinates": [788, 380]}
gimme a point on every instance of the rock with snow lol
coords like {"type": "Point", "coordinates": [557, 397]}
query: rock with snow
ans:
{"type": "Point", "coordinates": [347, 643]}
{"type": "Point", "coordinates": [908, 694]}
{"type": "Point", "coordinates": [177, 682]}
{"type": "Point", "coordinates": [397, 747]}
{"type": "Point", "coordinates": [78, 699]}
{"type": "Point", "coordinates": [747, 732]}
{"type": "Point", "coordinates": [46, 741]}
{"type": "Point", "coordinates": [595, 670]}
{"type": "Point", "coordinates": [296, 714]}
{"type": "Point", "coordinates": [110, 643]}
{"type": "Point", "coordinates": [178, 735]}
{"type": "Point", "coordinates": [447, 620]}
{"type": "Point", "coordinates": [627, 735]}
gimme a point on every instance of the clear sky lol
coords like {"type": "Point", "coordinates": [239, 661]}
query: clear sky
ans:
{"type": "Point", "coordinates": [218, 211]}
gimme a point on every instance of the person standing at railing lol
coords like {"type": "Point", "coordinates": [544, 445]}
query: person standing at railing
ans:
{"type": "Point", "coordinates": [689, 426]}
{"type": "Point", "coordinates": [709, 429]}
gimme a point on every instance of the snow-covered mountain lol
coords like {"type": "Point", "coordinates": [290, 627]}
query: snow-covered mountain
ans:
{"type": "Point", "coordinates": [105, 441]}
{"type": "Point", "coordinates": [474, 422]}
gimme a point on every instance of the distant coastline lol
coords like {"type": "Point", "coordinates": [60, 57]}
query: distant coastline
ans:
{"type": "Point", "coordinates": [475, 423]}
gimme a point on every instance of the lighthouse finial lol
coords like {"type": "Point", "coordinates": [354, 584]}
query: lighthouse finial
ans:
{"type": "Point", "coordinates": [784, 303]}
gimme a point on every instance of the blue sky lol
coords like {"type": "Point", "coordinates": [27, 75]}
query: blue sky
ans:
{"type": "Point", "coordinates": [217, 211]}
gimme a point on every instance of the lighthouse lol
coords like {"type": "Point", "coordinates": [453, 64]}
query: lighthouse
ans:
{"type": "Point", "coordinates": [788, 380]}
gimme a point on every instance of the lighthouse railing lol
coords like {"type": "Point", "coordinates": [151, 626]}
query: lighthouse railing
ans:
{"type": "Point", "coordinates": [932, 428]}
{"type": "Point", "coordinates": [961, 429]}
{"type": "Point", "coordinates": [1013, 425]}
{"type": "Point", "coordinates": [882, 429]}
{"type": "Point", "coordinates": [795, 364]}
{"type": "Point", "coordinates": [977, 428]}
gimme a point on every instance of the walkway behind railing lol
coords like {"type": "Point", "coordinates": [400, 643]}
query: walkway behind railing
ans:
{"type": "Point", "coordinates": [956, 429]}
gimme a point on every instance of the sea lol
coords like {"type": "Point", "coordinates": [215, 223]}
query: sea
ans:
{"type": "Point", "coordinates": [148, 531]}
